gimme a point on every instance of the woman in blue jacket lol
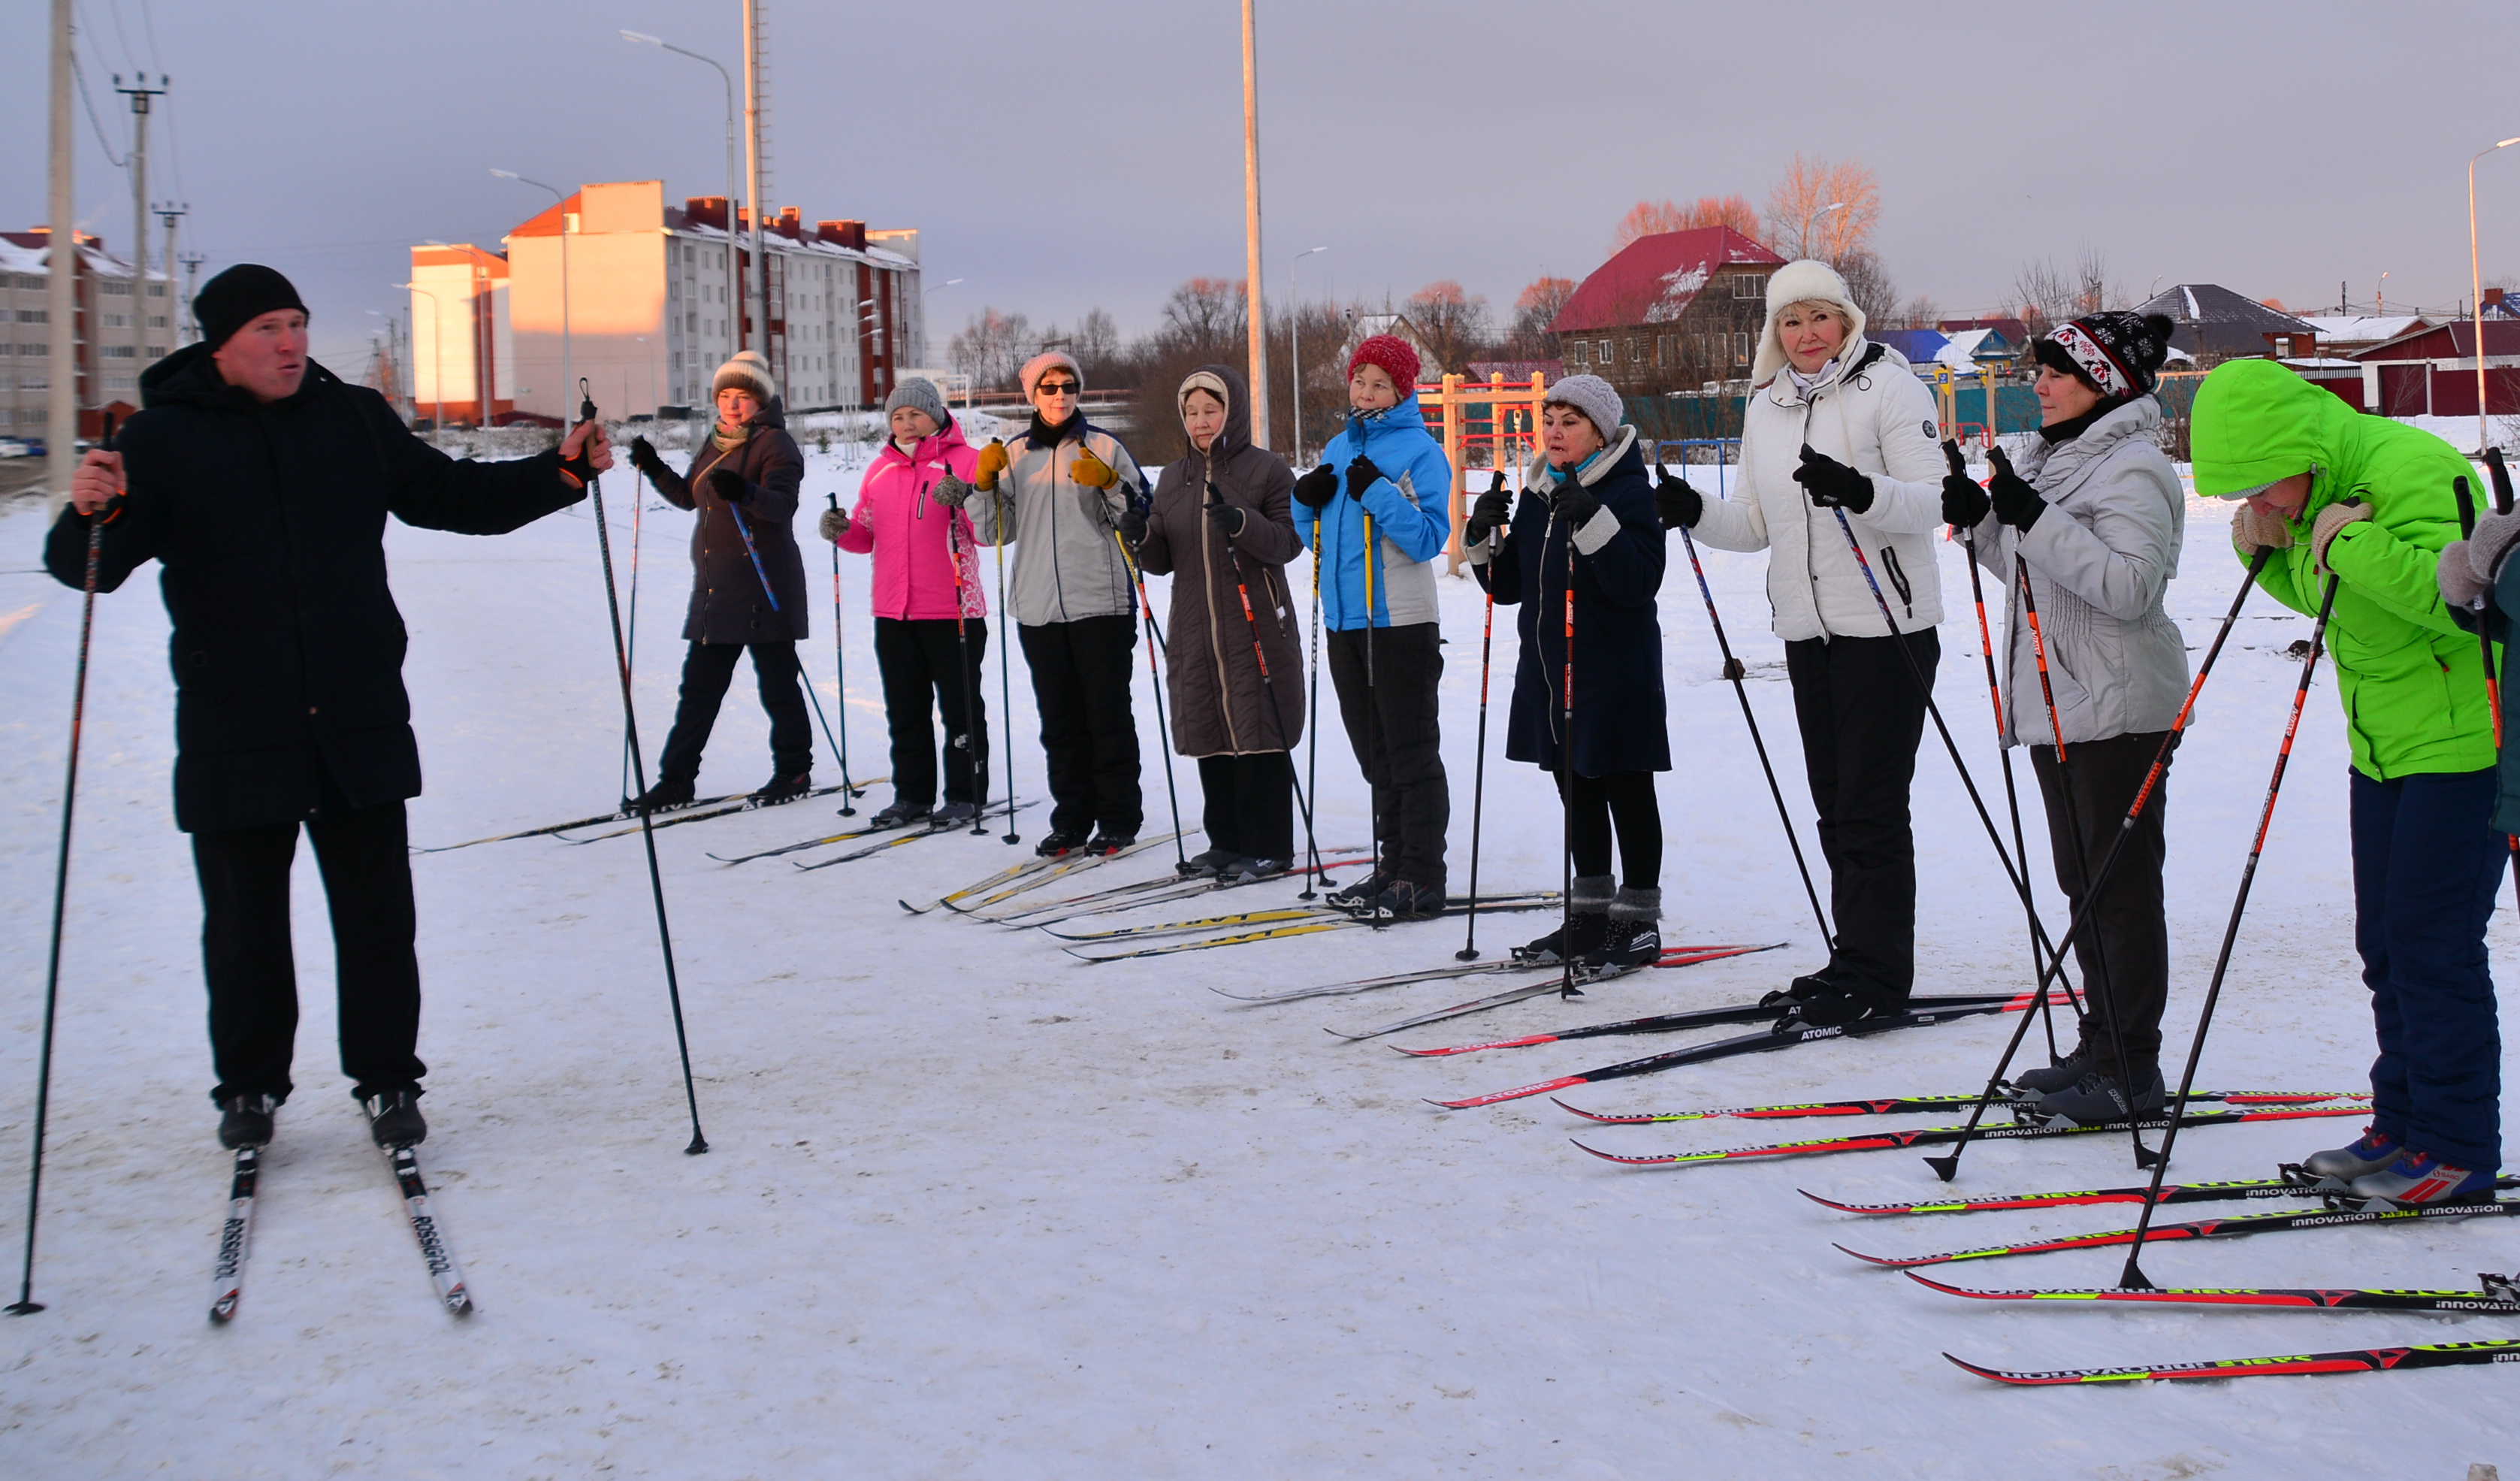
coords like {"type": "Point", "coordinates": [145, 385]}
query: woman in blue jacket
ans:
{"type": "Point", "coordinates": [1587, 517]}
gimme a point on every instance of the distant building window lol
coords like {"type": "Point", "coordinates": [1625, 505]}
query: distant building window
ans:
{"type": "Point", "coordinates": [156, 290]}
{"type": "Point", "coordinates": [117, 321]}
{"type": "Point", "coordinates": [34, 316]}
{"type": "Point", "coordinates": [117, 352]}
{"type": "Point", "coordinates": [1666, 350]}
{"type": "Point", "coordinates": [115, 287]}
{"type": "Point", "coordinates": [156, 321]}
{"type": "Point", "coordinates": [1609, 352]}
{"type": "Point", "coordinates": [34, 383]}
{"type": "Point", "coordinates": [2283, 346]}
{"type": "Point", "coordinates": [1740, 350]}
{"type": "Point", "coordinates": [1749, 286]}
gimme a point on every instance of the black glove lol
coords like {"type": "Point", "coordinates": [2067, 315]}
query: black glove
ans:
{"type": "Point", "coordinates": [1362, 475]}
{"type": "Point", "coordinates": [643, 456]}
{"type": "Point", "coordinates": [1318, 487]}
{"type": "Point", "coordinates": [1228, 517]}
{"type": "Point", "coordinates": [1832, 484]}
{"type": "Point", "coordinates": [1576, 504]}
{"type": "Point", "coordinates": [1493, 511]}
{"type": "Point", "coordinates": [1964, 502]}
{"type": "Point", "coordinates": [1133, 525]}
{"type": "Point", "coordinates": [727, 484]}
{"type": "Point", "coordinates": [2015, 502]}
{"type": "Point", "coordinates": [1676, 505]}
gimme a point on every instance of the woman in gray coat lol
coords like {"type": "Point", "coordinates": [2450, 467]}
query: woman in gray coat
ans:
{"type": "Point", "coordinates": [2090, 524]}
{"type": "Point", "coordinates": [1221, 519]}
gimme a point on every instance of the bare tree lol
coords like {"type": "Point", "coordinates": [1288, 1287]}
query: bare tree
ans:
{"type": "Point", "coordinates": [1648, 219]}
{"type": "Point", "coordinates": [991, 347]}
{"type": "Point", "coordinates": [1920, 312]}
{"type": "Point", "coordinates": [2050, 296]}
{"type": "Point", "coordinates": [1454, 324]}
{"type": "Point", "coordinates": [1534, 310]}
{"type": "Point", "coordinates": [1800, 222]}
{"type": "Point", "coordinates": [1205, 316]}
{"type": "Point", "coordinates": [1868, 284]}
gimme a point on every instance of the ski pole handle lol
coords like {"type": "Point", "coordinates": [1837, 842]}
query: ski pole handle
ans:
{"type": "Point", "coordinates": [2466, 507]}
{"type": "Point", "coordinates": [2501, 476]}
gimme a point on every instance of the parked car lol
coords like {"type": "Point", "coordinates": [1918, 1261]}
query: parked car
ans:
{"type": "Point", "coordinates": [11, 447]}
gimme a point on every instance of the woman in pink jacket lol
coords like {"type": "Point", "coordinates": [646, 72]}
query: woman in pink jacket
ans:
{"type": "Point", "coordinates": [930, 625]}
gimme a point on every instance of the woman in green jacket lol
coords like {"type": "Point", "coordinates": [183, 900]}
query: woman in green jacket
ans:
{"type": "Point", "coordinates": [2366, 503]}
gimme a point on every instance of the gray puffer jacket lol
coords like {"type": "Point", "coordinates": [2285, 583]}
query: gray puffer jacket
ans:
{"type": "Point", "coordinates": [2100, 560]}
{"type": "Point", "coordinates": [1067, 566]}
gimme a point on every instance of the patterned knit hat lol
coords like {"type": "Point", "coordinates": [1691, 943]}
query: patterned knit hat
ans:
{"type": "Point", "coordinates": [1393, 354]}
{"type": "Point", "coordinates": [746, 370]}
{"type": "Point", "coordinates": [2117, 355]}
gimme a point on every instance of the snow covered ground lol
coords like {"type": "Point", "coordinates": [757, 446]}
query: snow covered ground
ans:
{"type": "Point", "coordinates": [975, 1208]}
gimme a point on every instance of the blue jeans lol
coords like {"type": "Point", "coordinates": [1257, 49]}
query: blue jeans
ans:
{"type": "Point", "coordinates": [2426, 866]}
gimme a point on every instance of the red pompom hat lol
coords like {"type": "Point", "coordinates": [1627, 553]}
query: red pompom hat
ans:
{"type": "Point", "coordinates": [1393, 354]}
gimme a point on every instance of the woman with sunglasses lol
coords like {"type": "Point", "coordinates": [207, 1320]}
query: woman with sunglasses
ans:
{"type": "Point", "coordinates": [1057, 494]}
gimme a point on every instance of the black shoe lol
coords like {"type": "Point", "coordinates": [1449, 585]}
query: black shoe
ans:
{"type": "Point", "coordinates": [1060, 840]}
{"type": "Point", "coordinates": [393, 1118]}
{"type": "Point", "coordinates": [246, 1121]}
{"type": "Point", "coordinates": [1206, 864]}
{"type": "Point", "coordinates": [1363, 893]}
{"type": "Point", "coordinates": [1803, 989]}
{"type": "Point", "coordinates": [1108, 842]}
{"type": "Point", "coordinates": [780, 789]}
{"type": "Point", "coordinates": [1627, 942]}
{"type": "Point", "coordinates": [2097, 1099]}
{"type": "Point", "coordinates": [2047, 1079]}
{"type": "Point", "coordinates": [954, 815]}
{"type": "Point", "coordinates": [1845, 1005]}
{"type": "Point", "coordinates": [1405, 900]}
{"type": "Point", "coordinates": [1249, 871]}
{"type": "Point", "coordinates": [1590, 929]}
{"type": "Point", "coordinates": [668, 793]}
{"type": "Point", "coordinates": [899, 814]}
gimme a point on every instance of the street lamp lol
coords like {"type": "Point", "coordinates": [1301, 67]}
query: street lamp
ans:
{"type": "Point", "coordinates": [733, 272]}
{"type": "Point", "coordinates": [1822, 217]}
{"type": "Point", "coordinates": [1294, 351]}
{"type": "Point", "coordinates": [2381, 298]}
{"type": "Point", "coordinates": [567, 374]}
{"type": "Point", "coordinates": [938, 288]}
{"type": "Point", "coordinates": [2476, 287]}
{"type": "Point", "coordinates": [437, 354]}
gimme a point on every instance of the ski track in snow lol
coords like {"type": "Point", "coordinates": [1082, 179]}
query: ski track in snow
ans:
{"type": "Point", "coordinates": [976, 1208]}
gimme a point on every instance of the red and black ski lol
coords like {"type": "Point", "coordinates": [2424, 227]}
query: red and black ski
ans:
{"type": "Point", "coordinates": [2211, 1229]}
{"type": "Point", "coordinates": [1890, 1106]}
{"type": "Point", "coordinates": [2496, 1295]}
{"type": "Point", "coordinates": [2171, 1192]}
{"type": "Point", "coordinates": [2368, 1360]}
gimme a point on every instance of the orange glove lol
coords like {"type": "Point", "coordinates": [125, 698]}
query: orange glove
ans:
{"type": "Point", "coordinates": [1091, 471]}
{"type": "Point", "coordinates": [993, 462]}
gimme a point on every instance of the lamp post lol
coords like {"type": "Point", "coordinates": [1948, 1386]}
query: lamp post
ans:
{"type": "Point", "coordinates": [1296, 352]}
{"type": "Point", "coordinates": [437, 355]}
{"type": "Point", "coordinates": [568, 373]}
{"type": "Point", "coordinates": [2381, 298]}
{"type": "Point", "coordinates": [2476, 285]}
{"type": "Point", "coordinates": [1258, 334]}
{"type": "Point", "coordinates": [734, 273]}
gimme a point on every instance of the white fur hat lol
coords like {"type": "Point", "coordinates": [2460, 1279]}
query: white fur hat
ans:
{"type": "Point", "coordinates": [1803, 282]}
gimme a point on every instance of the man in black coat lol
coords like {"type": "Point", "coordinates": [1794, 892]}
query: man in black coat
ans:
{"type": "Point", "coordinates": [260, 483]}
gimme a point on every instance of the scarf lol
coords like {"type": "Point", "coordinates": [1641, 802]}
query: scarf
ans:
{"type": "Point", "coordinates": [1805, 384]}
{"type": "Point", "coordinates": [2074, 427]}
{"type": "Point", "coordinates": [1045, 435]}
{"type": "Point", "coordinates": [725, 441]}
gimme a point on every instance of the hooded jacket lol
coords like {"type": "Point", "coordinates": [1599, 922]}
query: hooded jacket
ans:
{"type": "Point", "coordinates": [1874, 415]}
{"type": "Point", "coordinates": [268, 521]}
{"type": "Point", "coordinates": [913, 539]}
{"type": "Point", "coordinates": [729, 601]}
{"type": "Point", "coordinates": [2411, 680]}
{"type": "Point", "coordinates": [1411, 520]}
{"type": "Point", "coordinates": [1067, 564]}
{"type": "Point", "coordinates": [2100, 560]}
{"type": "Point", "coordinates": [1618, 557]}
{"type": "Point", "coordinates": [1220, 703]}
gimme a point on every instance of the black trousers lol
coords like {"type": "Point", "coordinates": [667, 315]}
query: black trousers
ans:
{"type": "Point", "coordinates": [1623, 802]}
{"type": "Point", "coordinates": [2124, 951]}
{"type": "Point", "coordinates": [1080, 684]}
{"type": "Point", "coordinates": [253, 973]}
{"type": "Point", "coordinates": [1391, 724]}
{"type": "Point", "coordinates": [926, 669]}
{"type": "Point", "coordinates": [1860, 713]}
{"type": "Point", "coordinates": [707, 669]}
{"type": "Point", "coordinates": [1250, 804]}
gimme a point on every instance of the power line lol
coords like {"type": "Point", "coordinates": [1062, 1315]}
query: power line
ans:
{"type": "Point", "coordinates": [148, 28]}
{"type": "Point", "coordinates": [81, 73]}
{"type": "Point", "coordinates": [131, 58]}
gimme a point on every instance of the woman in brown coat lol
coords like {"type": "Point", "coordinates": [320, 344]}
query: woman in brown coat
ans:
{"type": "Point", "coordinates": [1219, 523]}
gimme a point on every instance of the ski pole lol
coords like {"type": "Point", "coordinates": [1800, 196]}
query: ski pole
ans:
{"type": "Point", "coordinates": [1268, 685]}
{"type": "Point", "coordinates": [1946, 1167]}
{"type": "Point", "coordinates": [2004, 750]}
{"type": "Point", "coordinates": [637, 509]}
{"type": "Point", "coordinates": [1565, 762]}
{"type": "Point", "coordinates": [1372, 705]}
{"type": "Point", "coordinates": [1006, 682]}
{"type": "Point", "coordinates": [746, 530]}
{"type": "Point", "coordinates": [2484, 638]}
{"type": "Point", "coordinates": [2133, 1277]}
{"type": "Point", "coordinates": [26, 1305]}
{"type": "Point", "coordinates": [974, 759]}
{"type": "Point", "coordinates": [1313, 870]}
{"type": "Point", "coordinates": [1734, 670]}
{"type": "Point", "coordinates": [2109, 989]}
{"type": "Point", "coordinates": [639, 775]}
{"type": "Point", "coordinates": [1470, 951]}
{"type": "Point", "coordinates": [840, 676]}
{"type": "Point", "coordinates": [1163, 729]}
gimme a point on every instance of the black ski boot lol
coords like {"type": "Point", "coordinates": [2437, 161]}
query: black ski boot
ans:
{"type": "Point", "coordinates": [1360, 895]}
{"type": "Point", "coordinates": [1250, 870]}
{"type": "Point", "coordinates": [1405, 900]}
{"type": "Point", "coordinates": [1060, 840]}
{"type": "Point", "coordinates": [2097, 1099]}
{"type": "Point", "coordinates": [1107, 842]}
{"type": "Point", "coordinates": [245, 1120]}
{"type": "Point", "coordinates": [954, 815]}
{"type": "Point", "coordinates": [1803, 989]}
{"type": "Point", "coordinates": [393, 1118]}
{"type": "Point", "coordinates": [1843, 1003]}
{"type": "Point", "coordinates": [2049, 1079]}
{"type": "Point", "coordinates": [899, 814]}
{"type": "Point", "coordinates": [1634, 936]}
{"type": "Point", "coordinates": [780, 789]}
{"type": "Point", "coordinates": [1590, 923]}
{"type": "Point", "coordinates": [669, 793]}
{"type": "Point", "coordinates": [1206, 864]}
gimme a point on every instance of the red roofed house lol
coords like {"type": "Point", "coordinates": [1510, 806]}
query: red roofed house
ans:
{"type": "Point", "coordinates": [1671, 311]}
{"type": "Point", "coordinates": [2430, 372]}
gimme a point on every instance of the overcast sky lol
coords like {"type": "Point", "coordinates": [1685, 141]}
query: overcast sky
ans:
{"type": "Point", "coordinates": [1061, 156]}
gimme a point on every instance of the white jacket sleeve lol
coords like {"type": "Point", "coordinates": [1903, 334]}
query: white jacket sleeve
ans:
{"type": "Point", "coordinates": [1908, 496]}
{"type": "Point", "coordinates": [1736, 523]}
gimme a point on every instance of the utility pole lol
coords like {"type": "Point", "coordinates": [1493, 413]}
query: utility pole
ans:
{"type": "Point", "coordinates": [191, 282]}
{"type": "Point", "coordinates": [139, 92]}
{"type": "Point", "coordinates": [1258, 373]}
{"type": "Point", "coordinates": [170, 213]}
{"type": "Point", "coordinates": [760, 338]}
{"type": "Point", "coordinates": [61, 242]}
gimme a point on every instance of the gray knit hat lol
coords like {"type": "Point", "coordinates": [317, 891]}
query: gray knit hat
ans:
{"type": "Point", "coordinates": [747, 371]}
{"type": "Point", "coordinates": [1594, 397]}
{"type": "Point", "coordinates": [920, 394]}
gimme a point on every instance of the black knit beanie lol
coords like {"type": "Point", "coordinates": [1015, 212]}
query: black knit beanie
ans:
{"type": "Point", "coordinates": [240, 295]}
{"type": "Point", "coordinates": [2118, 354]}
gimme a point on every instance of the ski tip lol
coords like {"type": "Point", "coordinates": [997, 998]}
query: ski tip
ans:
{"type": "Point", "coordinates": [1995, 1374]}
{"type": "Point", "coordinates": [1930, 1283]}
{"type": "Point", "coordinates": [458, 1301]}
{"type": "Point", "coordinates": [1577, 1110]}
{"type": "Point", "coordinates": [916, 910]}
{"type": "Point", "coordinates": [1843, 1208]}
{"type": "Point", "coordinates": [1597, 1153]}
{"type": "Point", "coordinates": [1893, 1261]}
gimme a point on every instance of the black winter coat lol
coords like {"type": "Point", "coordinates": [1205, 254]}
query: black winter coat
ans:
{"type": "Point", "coordinates": [1219, 701]}
{"type": "Point", "coordinates": [728, 605]}
{"type": "Point", "coordinates": [269, 525]}
{"type": "Point", "coordinates": [1619, 718]}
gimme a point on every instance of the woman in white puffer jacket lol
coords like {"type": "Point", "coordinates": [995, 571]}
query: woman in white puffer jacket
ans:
{"type": "Point", "coordinates": [1840, 440]}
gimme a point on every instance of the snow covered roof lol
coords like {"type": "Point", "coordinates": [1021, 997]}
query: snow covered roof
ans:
{"type": "Point", "coordinates": [2363, 329]}
{"type": "Point", "coordinates": [25, 253]}
{"type": "Point", "coordinates": [1654, 279]}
